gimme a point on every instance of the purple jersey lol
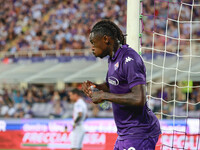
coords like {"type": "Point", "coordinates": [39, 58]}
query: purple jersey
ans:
{"type": "Point", "coordinates": [126, 70]}
{"type": "Point", "coordinates": [136, 144]}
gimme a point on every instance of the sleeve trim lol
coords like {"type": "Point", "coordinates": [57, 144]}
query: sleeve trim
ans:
{"type": "Point", "coordinates": [136, 83]}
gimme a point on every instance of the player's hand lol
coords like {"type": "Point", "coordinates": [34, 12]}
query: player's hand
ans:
{"type": "Point", "coordinates": [74, 126]}
{"type": "Point", "coordinates": [86, 87]}
{"type": "Point", "coordinates": [97, 97]}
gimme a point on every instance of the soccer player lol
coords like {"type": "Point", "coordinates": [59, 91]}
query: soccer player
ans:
{"type": "Point", "coordinates": [125, 86]}
{"type": "Point", "coordinates": [79, 115]}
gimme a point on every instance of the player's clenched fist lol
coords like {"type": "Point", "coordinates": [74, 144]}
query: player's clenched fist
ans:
{"type": "Point", "coordinates": [97, 97]}
{"type": "Point", "coordinates": [86, 87]}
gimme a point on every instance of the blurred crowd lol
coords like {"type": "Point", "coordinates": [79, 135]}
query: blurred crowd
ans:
{"type": "Point", "coordinates": [43, 102]}
{"type": "Point", "coordinates": [65, 24]}
{"type": "Point", "coordinates": [171, 19]}
{"type": "Point", "coordinates": [47, 102]}
{"type": "Point", "coordinates": [33, 25]}
{"type": "Point", "coordinates": [18, 103]}
{"type": "Point", "coordinates": [179, 105]}
{"type": "Point", "coordinates": [54, 24]}
{"type": "Point", "coordinates": [18, 16]}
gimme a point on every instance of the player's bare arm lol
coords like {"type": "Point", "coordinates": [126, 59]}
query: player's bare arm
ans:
{"type": "Point", "coordinates": [135, 98]}
{"type": "Point", "coordinates": [77, 119]}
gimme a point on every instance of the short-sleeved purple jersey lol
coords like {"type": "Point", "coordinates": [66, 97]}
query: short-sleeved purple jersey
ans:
{"type": "Point", "coordinates": [126, 70]}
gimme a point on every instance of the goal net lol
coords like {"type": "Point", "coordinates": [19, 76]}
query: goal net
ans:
{"type": "Point", "coordinates": [170, 47]}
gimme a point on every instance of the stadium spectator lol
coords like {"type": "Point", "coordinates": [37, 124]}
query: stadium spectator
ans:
{"type": "Point", "coordinates": [29, 100]}
{"type": "Point", "coordinates": [198, 102]}
{"type": "Point", "coordinates": [6, 105]}
{"type": "Point", "coordinates": [19, 113]}
{"type": "Point", "coordinates": [55, 97]}
{"type": "Point", "coordinates": [28, 112]}
{"type": "Point", "coordinates": [18, 98]}
{"type": "Point", "coordinates": [58, 110]}
{"type": "Point", "coordinates": [162, 94]}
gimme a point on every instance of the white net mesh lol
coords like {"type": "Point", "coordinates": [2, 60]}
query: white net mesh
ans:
{"type": "Point", "coordinates": [170, 46]}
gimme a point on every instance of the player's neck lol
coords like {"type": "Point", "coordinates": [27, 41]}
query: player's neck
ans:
{"type": "Point", "coordinates": [114, 50]}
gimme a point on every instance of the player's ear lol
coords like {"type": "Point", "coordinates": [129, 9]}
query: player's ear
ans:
{"type": "Point", "coordinates": [106, 39]}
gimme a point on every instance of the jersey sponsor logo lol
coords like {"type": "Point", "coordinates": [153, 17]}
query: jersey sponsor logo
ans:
{"type": "Point", "coordinates": [128, 59]}
{"type": "Point", "coordinates": [116, 65]}
{"type": "Point", "coordinates": [112, 80]}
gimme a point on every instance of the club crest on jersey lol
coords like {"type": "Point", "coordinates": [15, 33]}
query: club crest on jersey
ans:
{"type": "Point", "coordinates": [116, 65]}
{"type": "Point", "coordinates": [128, 59]}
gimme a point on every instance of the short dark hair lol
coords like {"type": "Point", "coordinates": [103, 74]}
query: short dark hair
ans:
{"type": "Point", "coordinates": [109, 28]}
{"type": "Point", "coordinates": [77, 91]}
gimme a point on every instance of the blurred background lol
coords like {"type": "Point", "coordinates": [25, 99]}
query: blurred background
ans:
{"type": "Point", "coordinates": [45, 52]}
{"type": "Point", "coordinates": [44, 49]}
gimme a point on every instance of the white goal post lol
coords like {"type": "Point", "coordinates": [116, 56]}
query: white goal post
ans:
{"type": "Point", "coordinates": [133, 24]}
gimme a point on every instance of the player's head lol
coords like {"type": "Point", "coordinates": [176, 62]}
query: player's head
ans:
{"type": "Point", "coordinates": [105, 37]}
{"type": "Point", "coordinates": [75, 94]}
